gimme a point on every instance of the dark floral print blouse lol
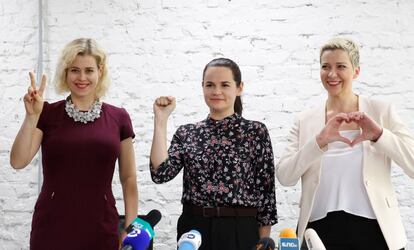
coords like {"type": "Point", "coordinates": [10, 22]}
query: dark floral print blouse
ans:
{"type": "Point", "coordinates": [226, 162]}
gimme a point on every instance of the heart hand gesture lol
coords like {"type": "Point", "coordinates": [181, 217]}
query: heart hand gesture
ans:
{"type": "Point", "coordinates": [370, 130]}
{"type": "Point", "coordinates": [330, 132]}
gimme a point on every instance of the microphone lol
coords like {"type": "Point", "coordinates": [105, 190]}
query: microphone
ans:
{"type": "Point", "coordinates": [288, 240]}
{"type": "Point", "coordinates": [140, 231]}
{"type": "Point", "coordinates": [190, 240]}
{"type": "Point", "coordinates": [265, 243]}
{"type": "Point", "coordinates": [151, 219]}
{"type": "Point", "coordinates": [136, 240]}
{"type": "Point", "coordinates": [313, 241]}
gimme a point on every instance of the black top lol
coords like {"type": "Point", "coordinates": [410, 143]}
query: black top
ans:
{"type": "Point", "coordinates": [226, 162]}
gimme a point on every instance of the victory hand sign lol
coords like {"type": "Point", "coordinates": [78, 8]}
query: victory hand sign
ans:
{"type": "Point", "coordinates": [33, 100]}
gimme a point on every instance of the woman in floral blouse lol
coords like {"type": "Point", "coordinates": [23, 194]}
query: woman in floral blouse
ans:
{"type": "Point", "coordinates": [229, 187]}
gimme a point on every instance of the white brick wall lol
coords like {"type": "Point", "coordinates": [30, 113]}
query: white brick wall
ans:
{"type": "Point", "coordinates": [159, 47]}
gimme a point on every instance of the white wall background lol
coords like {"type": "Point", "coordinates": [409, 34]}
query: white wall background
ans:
{"type": "Point", "coordinates": [159, 47]}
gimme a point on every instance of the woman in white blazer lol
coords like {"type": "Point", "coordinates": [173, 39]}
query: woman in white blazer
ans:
{"type": "Point", "coordinates": [342, 152]}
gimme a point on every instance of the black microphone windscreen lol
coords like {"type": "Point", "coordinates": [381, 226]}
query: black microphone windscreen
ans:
{"type": "Point", "coordinates": [153, 217]}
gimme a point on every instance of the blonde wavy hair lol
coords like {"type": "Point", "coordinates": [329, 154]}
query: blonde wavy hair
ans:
{"type": "Point", "coordinates": [81, 46]}
{"type": "Point", "coordinates": [345, 44]}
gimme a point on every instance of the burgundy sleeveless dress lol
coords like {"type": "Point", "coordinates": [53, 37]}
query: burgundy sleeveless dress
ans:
{"type": "Point", "coordinates": [76, 207]}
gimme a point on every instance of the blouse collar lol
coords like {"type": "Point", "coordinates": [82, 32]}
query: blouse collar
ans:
{"type": "Point", "coordinates": [226, 120]}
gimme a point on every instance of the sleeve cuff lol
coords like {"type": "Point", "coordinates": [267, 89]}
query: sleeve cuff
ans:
{"type": "Point", "coordinates": [321, 150]}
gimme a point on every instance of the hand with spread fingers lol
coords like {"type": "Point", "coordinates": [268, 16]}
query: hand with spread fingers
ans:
{"type": "Point", "coordinates": [370, 130]}
{"type": "Point", "coordinates": [164, 106]}
{"type": "Point", "coordinates": [330, 132]}
{"type": "Point", "coordinates": [33, 100]}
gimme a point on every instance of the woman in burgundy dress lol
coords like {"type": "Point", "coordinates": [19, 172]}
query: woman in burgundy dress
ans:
{"type": "Point", "coordinates": [81, 138]}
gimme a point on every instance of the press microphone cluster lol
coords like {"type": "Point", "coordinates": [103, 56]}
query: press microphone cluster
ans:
{"type": "Point", "coordinates": [289, 241]}
{"type": "Point", "coordinates": [190, 240]}
{"type": "Point", "coordinates": [140, 231]}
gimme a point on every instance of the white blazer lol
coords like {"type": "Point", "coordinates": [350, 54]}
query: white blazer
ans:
{"type": "Point", "coordinates": [303, 157]}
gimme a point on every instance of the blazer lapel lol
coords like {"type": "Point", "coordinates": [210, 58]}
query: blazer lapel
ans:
{"type": "Point", "coordinates": [318, 119]}
{"type": "Point", "coordinates": [365, 107]}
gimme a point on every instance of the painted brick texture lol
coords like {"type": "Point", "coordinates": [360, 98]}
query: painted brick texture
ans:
{"type": "Point", "coordinates": [159, 47]}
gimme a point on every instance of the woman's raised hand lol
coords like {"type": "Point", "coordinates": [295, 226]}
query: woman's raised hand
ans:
{"type": "Point", "coordinates": [164, 106]}
{"type": "Point", "coordinates": [330, 132]}
{"type": "Point", "coordinates": [370, 130]}
{"type": "Point", "coordinates": [33, 100]}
